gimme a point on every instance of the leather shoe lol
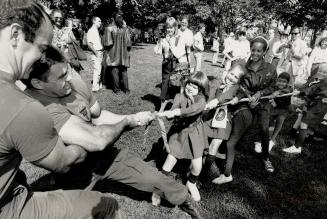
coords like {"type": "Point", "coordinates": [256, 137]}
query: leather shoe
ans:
{"type": "Point", "coordinates": [189, 207]}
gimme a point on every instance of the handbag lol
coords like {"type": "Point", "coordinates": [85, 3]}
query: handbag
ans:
{"type": "Point", "coordinates": [180, 73]}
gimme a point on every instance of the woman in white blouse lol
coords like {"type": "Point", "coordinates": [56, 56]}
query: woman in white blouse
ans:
{"type": "Point", "coordinates": [172, 48]}
{"type": "Point", "coordinates": [318, 55]}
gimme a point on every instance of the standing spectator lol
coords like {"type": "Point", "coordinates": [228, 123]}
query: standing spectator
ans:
{"type": "Point", "coordinates": [298, 55]}
{"type": "Point", "coordinates": [146, 36]}
{"type": "Point", "coordinates": [187, 35]}
{"type": "Point", "coordinates": [278, 48]}
{"type": "Point", "coordinates": [27, 130]}
{"type": "Point", "coordinates": [228, 42]}
{"type": "Point", "coordinates": [239, 51]}
{"type": "Point", "coordinates": [118, 43]}
{"type": "Point", "coordinates": [172, 49]}
{"type": "Point", "coordinates": [65, 40]}
{"type": "Point", "coordinates": [198, 46]}
{"type": "Point", "coordinates": [215, 48]}
{"type": "Point", "coordinates": [271, 40]}
{"type": "Point", "coordinates": [95, 45]}
{"type": "Point", "coordinates": [318, 55]}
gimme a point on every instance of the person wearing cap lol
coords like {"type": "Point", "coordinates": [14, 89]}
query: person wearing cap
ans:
{"type": "Point", "coordinates": [279, 48]}
{"type": "Point", "coordinates": [258, 81]}
{"type": "Point", "coordinates": [318, 55]}
{"type": "Point", "coordinates": [298, 56]}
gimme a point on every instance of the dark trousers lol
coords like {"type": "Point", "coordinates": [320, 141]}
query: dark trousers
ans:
{"type": "Point", "coordinates": [119, 78]}
{"type": "Point", "coordinates": [124, 167]}
{"type": "Point", "coordinates": [263, 117]}
{"type": "Point", "coordinates": [242, 121]}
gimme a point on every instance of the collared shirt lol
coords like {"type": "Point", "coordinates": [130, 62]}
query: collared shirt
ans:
{"type": "Point", "coordinates": [93, 37]}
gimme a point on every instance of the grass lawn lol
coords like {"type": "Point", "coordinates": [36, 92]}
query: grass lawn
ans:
{"type": "Point", "coordinates": [297, 188]}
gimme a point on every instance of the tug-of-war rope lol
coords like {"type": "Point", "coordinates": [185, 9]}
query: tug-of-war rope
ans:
{"type": "Point", "coordinates": [163, 127]}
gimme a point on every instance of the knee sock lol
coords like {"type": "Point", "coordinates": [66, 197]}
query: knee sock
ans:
{"type": "Point", "coordinates": [193, 179]}
{"type": "Point", "coordinates": [220, 164]}
{"type": "Point", "coordinates": [165, 172]}
{"type": "Point", "coordinates": [301, 137]}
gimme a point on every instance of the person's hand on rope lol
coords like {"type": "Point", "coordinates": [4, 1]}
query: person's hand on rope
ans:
{"type": "Point", "coordinates": [275, 94]}
{"type": "Point", "coordinates": [296, 92]}
{"type": "Point", "coordinates": [254, 100]}
{"type": "Point", "coordinates": [170, 113]}
{"type": "Point", "coordinates": [212, 104]}
{"type": "Point", "coordinates": [234, 101]}
{"type": "Point", "coordinates": [140, 119]}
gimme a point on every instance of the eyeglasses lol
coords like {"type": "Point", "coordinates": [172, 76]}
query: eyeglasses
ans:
{"type": "Point", "coordinates": [295, 33]}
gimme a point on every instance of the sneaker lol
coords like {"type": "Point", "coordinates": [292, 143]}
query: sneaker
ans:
{"type": "Point", "coordinates": [194, 191]}
{"type": "Point", "coordinates": [190, 207]}
{"type": "Point", "coordinates": [155, 199]}
{"type": "Point", "coordinates": [222, 179]}
{"type": "Point", "coordinates": [293, 150]}
{"type": "Point", "coordinates": [257, 147]}
{"type": "Point", "coordinates": [271, 145]}
{"type": "Point", "coordinates": [268, 166]}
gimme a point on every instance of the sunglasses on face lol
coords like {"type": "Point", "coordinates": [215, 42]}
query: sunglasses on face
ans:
{"type": "Point", "coordinates": [294, 33]}
{"type": "Point", "coordinates": [241, 34]}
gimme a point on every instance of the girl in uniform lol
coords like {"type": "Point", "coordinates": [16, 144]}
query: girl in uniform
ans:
{"type": "Point", "coordinates": [186, 135]}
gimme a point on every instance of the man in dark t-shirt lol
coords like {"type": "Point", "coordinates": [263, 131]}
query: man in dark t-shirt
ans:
{"type": "Point", "coordinates": [27, 130]}
{"type": "Point", "coordinates": [79, 120]}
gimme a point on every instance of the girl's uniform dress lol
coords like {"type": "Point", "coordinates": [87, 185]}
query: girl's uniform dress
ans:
{"type": "Point", "coordinates": [223, 95]}
{"type": "Point", "coordinates": [186, 135]}
{"type": "Point", "coordinates": [171, 56]}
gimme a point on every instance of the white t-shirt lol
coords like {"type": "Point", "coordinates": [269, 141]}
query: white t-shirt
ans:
{"type": "Point", "coordinates": [93, 37]}
{"type": "Point", "coordinates": [198, 42]}
{"type": "Point", "coordinates": [187, 36]}
{"type": "Point", "coordinates": [176, 47]}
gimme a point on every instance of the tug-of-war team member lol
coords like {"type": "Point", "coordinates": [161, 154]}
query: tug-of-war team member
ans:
{"type": "Point", "coordinates": [79, 120]}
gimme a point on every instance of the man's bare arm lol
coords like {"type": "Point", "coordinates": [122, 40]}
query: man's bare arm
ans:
{"type": "Point", "coordinates": [62, 157]}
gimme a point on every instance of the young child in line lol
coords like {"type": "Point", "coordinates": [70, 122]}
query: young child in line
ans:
{"type": "Point", "coordinates": [241, 121]}
{"type": "Point", "coordinates": [258, 81]}
{"type": "Point", "coordinates": [280, 108]}
{"type": "Point", "coordinates": [219, 93]}
{"type": "Point", "coordinates": [315, 94]}
{"type": "Point", "coordinates": [186, 135]}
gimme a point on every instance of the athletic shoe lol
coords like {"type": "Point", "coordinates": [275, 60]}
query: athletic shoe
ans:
{"type": "Point", "coordinates": [190, 207]}
{"type": "Point", "coordinates": [257, 147]}
{"type": "Point", "coordinates": [194, 191]}
{"type": "Point", "coordinates": [293, 150]}
{"type": "Point", "coordinates": [271, 145]}
{"type": "Point", "coordinates": [222, 179]}
{"type": "Point", "coordinates": [268, 166]}
{"type": "Point", "coordinates": [155, 199]}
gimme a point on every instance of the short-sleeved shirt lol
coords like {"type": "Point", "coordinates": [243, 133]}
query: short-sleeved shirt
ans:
{"type": "Point", "coordinates": [26, 131]}
{"type": "Point", "coordinates": [78, 103]}
{"type": "Point", "coordinates": [93, 37]}
{"type": "Point", "coordinates": [187, 36]}
{"type": "Point", "coordinates": [198, 42]}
